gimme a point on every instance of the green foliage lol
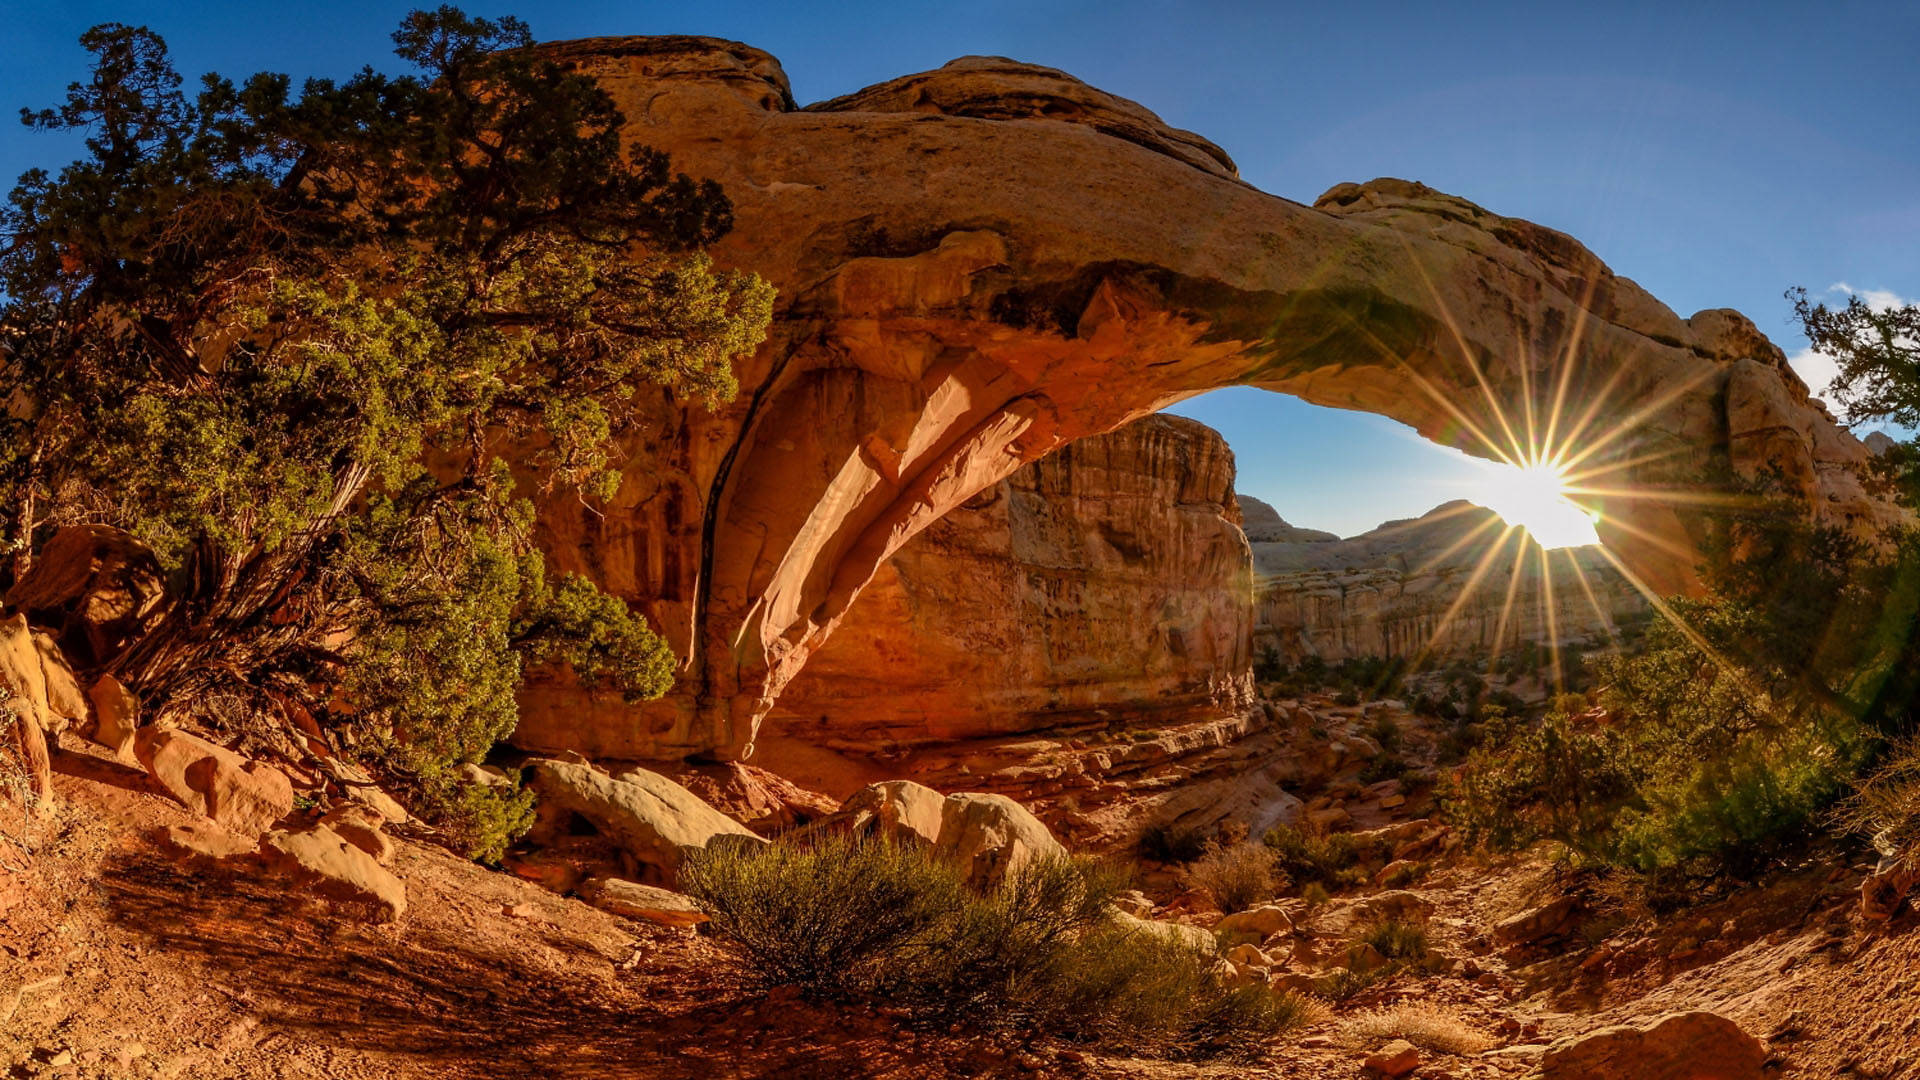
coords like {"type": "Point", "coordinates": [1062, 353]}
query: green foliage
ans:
{"type": "Point", "coordinates": [478, 821]}
{"type": "Point", "coordinates": [1317, 859]}
{"type": "Point", "coordinates": [1878, 353]}
{"type": "Point", "coordinates": [849, 918]}
{"type": "Point", "coordinates": [1397, 941]}
{"type": "Point", "coordinates": [293, 339]}
{"type": "Point", "coordinates": [1166, 842]}
{"type": "Point", "coordinates": [1691, 765]}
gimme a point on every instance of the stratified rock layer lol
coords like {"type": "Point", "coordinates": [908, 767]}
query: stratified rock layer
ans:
{"type": "Point", "coordinates": [1453, 584]}
{"type": "Point", "coordinates": [1110, 576]}
{"type": "Point", "coordinates": [979, 265]}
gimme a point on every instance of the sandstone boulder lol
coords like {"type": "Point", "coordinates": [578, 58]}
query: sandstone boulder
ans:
{"type": "Point", "coordinates": [1395, 1059]}
{"type": "Point", "coordinates": [23, 694]}
{"type": "Point", "coordinates": [897, 809]}
{"type": "Point", "coordinates": [97, 584]}
{"type": "Point", "coordinates": [646, 902]}
{"type": "Point", "coordinates": [205, 843]}
{"type": "Point", "coordinates": [67, 705]}
{"type": "Point", "coordinates": [1674, 1046]}
{"type": "Point", "coordinates": [243, 796]}
{"type": "Point", "coordinates": [360, 825]}
{"type": "Point", "coordinates": [651, 818]}
{"type": "Point", "coordinates": [116, 715]}
{"type": "Point", "coordinates": [1536, 924]}
{"type": "Point", "coordinates": [991, 837]}
{"type": "Point", "coordinates": [1172, 933]}
{"type": "Point", "coordinates": [1265, 920]}
{"type": "Point", "coordinates": [320, 860]}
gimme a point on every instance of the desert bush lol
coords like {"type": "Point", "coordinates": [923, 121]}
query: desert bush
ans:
{"type": "Point", "coordinates": [478, 821]}
{"type": "Point", "coordinates": [1884, 804]}
{"type": "Point", "coordinates": [1312, 857]}
{"type": "Point", "coordinates": [841, 915]}
{"type": "Point", "coordinates": [1236, 876]}
{"type": "Point", "coordinates": [1428, 1026]}
{"type": "Point", "coordinates": [847, 918]}
{"type": "Point", "coordinates": [1166, 842]}
{"type": "Point", "coordinates": [1397, 941]}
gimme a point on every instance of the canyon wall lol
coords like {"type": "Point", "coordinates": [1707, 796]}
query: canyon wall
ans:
{"type": "Point", "coordinates": [1450, 585]}
{"type": "Point", "coordinates": [1110, 578]}
{"type": "Point", "coordinates": [980, 265]}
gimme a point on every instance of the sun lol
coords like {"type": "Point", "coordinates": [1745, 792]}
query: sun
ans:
{"type": "Point", "coordinates": [1534, 497]}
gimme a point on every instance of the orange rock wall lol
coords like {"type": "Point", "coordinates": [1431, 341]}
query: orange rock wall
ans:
{"type": "Point", "coordinates": [1110, 577]}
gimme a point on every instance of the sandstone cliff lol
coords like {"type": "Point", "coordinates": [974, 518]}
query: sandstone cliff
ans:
{"type": "Point", "coordinates": [982, 264]}
{"type": "Point", "coordinates": [1448, 585]}
{"type": "Point", "coordinates": [1109, 577]}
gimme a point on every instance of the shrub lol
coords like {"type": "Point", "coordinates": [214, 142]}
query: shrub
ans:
{"type": "Point", "coordinates": [1236, 876]}
{"type": "Point", "coordinates": [1428, 1026]}
{"type": "Point", "coordinates": [1885, 805]}
{"type": "Point", "coordinates": [846, 918]}
{"type": "Point", "coordinates": [1318, 858]}
{"type": "Point", "coordinates": [1383, 766]}
{"type": "Point", "coordinates": [1314, 894]}
{"type": "Point", "coordinates": [1166, 842]}
{"type": "Point", "coordinates": [839, 916]}
{"type": "Point", "coordinates": [1397, 941]}
{"type": "Point", "coordinates": [478, 821]}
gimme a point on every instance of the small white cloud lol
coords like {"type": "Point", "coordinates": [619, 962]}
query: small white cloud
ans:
{"type": "Point", "coordinates": [1877, 299]}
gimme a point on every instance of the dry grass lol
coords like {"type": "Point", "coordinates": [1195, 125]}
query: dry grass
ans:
{"type": "Point", "coordinates": [25, 824]}
{"type": "Point", "coordinates": [1429, 1027]}
{"type": "Point", "coordinates": [1237, 876]}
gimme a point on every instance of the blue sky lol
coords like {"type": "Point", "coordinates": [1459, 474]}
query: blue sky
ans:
{"type": "Point", "coordinates": [1716, 153]}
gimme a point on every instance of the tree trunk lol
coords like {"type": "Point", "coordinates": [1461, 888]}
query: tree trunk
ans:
{"type": "Point", "coordinates": [224, 623]}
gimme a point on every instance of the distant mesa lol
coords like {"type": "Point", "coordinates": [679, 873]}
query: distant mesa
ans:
{"type": "Point", "coordinates": [1264, 525]}
{"type": "Point", "coordinates": [1879, 442]}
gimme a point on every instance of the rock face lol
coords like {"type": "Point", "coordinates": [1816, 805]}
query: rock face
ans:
{"type": "Point", "coordinates": [1414, 587]}
{"type": "Point", "coordinates": [1676, 1046]}
{"type": "Point", "coordinates": [1111, 575]}
{"type": "Point", "coordinates": [979, 265]}
{"type": "Point", "coordinates": [1264, 525]}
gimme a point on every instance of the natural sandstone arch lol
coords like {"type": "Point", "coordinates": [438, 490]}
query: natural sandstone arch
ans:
{"type": "Point", "coordinates": [980, 264]}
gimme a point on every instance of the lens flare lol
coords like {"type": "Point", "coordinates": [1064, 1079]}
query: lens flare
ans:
{"type": "Point", "coordinates": [1534, 497]}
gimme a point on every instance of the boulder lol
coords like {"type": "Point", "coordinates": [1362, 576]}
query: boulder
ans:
{"type": "Point", "coordinates": [97, 584]}
{"type": "Point", "coordinates": [116, 716]}
{"type": "Point", "coordinates": [360, 825]}
{"type": "Point", "coordinates": [243, 796]}
{"type": "Point", "coordinates": [899, 809]}
{"type": "Point", "coordinates": [991, 837]}
{"type": "Point", "coordinates": [204, 843]}
{"type": "Point", "coordinates": [1395, 905]}
{"type": "Point", "coordinates": [22, 676]}
{"type": "Point", "coordinates": [1673, 1046]}
{"type": "Point", "coordinates": [647, 815]}
{"type": "Point", "coordinates": [646, 902]}
{"type": "Point", "coordinates": [1265, 920]}
{"type": "Point", "coordinates": [1395, 1059]}
{"type": "Point", "coordinates": [319, 859]}
{"type": "Point", "coordinates": [1536, 924]}
{"type": "Point", "coordinates": [1192, 937]}
{"type": "Point", "coordinates": [67, 705]}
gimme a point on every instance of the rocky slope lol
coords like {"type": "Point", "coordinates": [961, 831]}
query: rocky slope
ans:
{"type": "Point", "coordinates": [1110, 577]}
{"type": "Point", "coordinates": [981, 264]}
{"type": "Point", "coordinates": [1451, 584]}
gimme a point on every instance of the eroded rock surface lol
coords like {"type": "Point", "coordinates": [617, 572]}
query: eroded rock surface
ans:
{"type": "Point", "coordinates": [1109, 576]}
{"type": "Point", "coordinates": [1435, 586]}
{"type": "Point", "coordinates": [981, 264]}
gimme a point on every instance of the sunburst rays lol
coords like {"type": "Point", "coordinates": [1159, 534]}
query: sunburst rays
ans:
{"type": "Point", "coordinates": [1573, 435]}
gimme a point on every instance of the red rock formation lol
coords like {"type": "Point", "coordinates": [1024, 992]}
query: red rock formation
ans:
{"type": "Point", "coordinates": [1416, 589]}
{"type": "Point", "coordinates": [981, 264]}
{"type": "Point", "coordinates": [1109, 577]}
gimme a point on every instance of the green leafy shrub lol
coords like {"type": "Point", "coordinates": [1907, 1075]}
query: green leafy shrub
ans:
{"type": "Point", "coordinates": [1397, 941]}
{"type": "Point", "coordinates": [848, 918]}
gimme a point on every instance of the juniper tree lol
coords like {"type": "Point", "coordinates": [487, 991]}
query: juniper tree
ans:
{"type": "Point", "coordinates": [247, 318]}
